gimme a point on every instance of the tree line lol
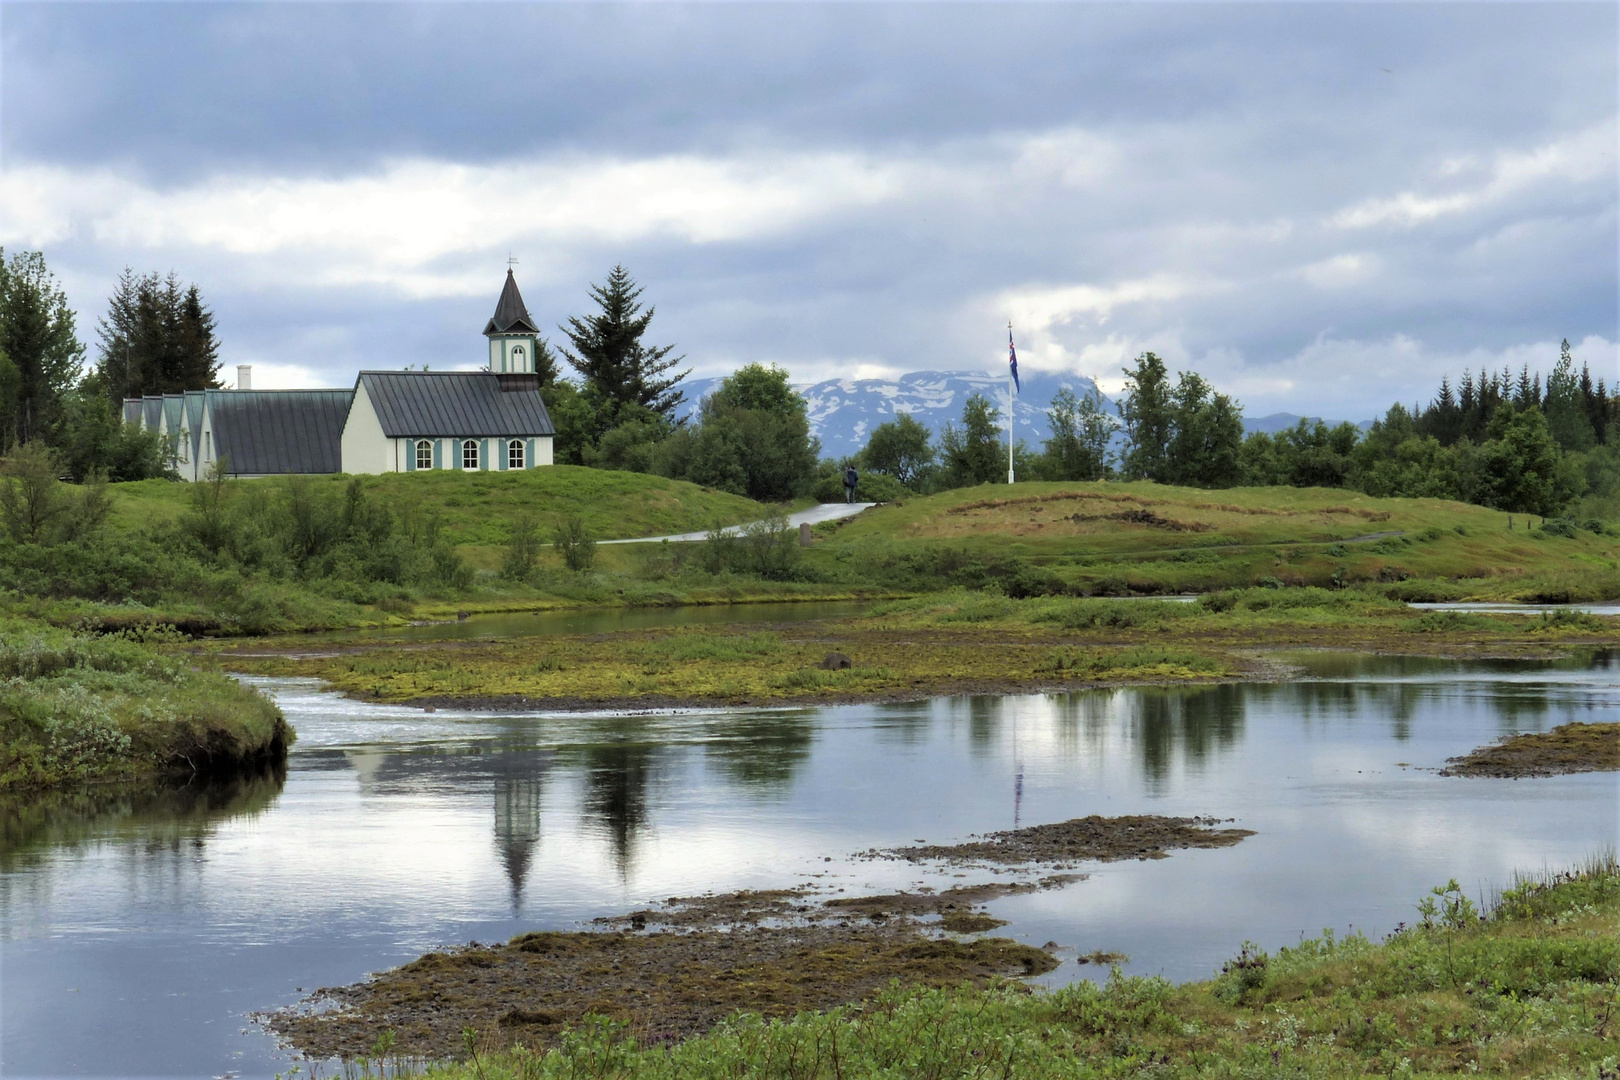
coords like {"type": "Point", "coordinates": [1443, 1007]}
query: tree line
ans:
{"type": "Point", "coordinates": [1520, 442]}
{"type": "Point", "coordinates": [1514, 442]}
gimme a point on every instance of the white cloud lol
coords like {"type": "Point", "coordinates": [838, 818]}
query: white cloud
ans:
{"type": "Point", "coordinates": [398, 225]}
{"type": "Point", "coordinates": [1341, 271]}
{"type": "Point", "coordinates": [1580, 158]}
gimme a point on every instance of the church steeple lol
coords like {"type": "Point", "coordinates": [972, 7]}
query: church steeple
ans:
{"type": "Point", "coordinates": [512, 333]}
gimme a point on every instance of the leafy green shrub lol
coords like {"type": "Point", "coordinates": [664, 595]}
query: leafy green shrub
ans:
{"type": "Point", "coordinates": [1432, 533]}
{"type": "Point", "coordinates": [1442, 622]}
{"type": "Point", "coordinates": [871, 487]}
{"type": "Point", "coordinates": [1087, 613]}
{"type": "Point", "coordinates": [1558, 527]}
{"type": "Point", "coordinates": [1569, 619]}
{"type": "Point", "coordinates": [574, 543]}
{"type": "Point", "coordinates": [1243, 978]}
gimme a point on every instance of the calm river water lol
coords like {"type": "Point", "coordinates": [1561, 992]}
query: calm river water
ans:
{"type": "Point", "coordinates": [135, 936]}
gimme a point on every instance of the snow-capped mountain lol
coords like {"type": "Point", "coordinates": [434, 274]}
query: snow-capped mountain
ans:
{"type": "Point", "coordinates": [843, 412]}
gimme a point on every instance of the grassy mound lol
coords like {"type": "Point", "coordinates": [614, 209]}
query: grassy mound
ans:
{"type": "Point", "coordinates": [1526, 990]}
{"type": "Point", "coordinates": [77, 709]}
{"type": "Point", "coordinates": [477, 509]}
{"type": "Point", "coordinates": [1117, 538]}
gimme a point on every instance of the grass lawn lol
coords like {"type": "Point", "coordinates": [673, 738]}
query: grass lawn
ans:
{"type": "Point", "coordinates": [1142, 537]}
{"type": "Point", "coordinates": [476, 509]}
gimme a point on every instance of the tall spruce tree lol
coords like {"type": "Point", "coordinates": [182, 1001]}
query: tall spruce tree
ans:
{"type": "Point", "coordinates": [156, 338]}
{"type": "Point", "coordinates": [609, 353]}
{"type": "Point", "coordinates": [40, 348]}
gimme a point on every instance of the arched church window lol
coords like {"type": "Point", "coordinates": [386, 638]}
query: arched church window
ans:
{"type": "Point", "coordinates": [514, 454]}
{"type": "Point", "coordinates": [469, 454]}
{"type": "Point", "coordinates": [517, 357]}
{"type": "Point", "coordinates": [424, 454]}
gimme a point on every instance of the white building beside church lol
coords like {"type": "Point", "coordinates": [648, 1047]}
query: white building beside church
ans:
{"type": "Point", "coordinates": [390, 421]}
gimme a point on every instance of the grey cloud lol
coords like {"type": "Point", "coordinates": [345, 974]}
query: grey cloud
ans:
{"type": "Point", "coordinates": [1213, 144]}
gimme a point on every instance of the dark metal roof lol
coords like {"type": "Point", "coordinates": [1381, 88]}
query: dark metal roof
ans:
{"type": "Point", "coordinates": [510, 314]}
{"type": "Point", "coordinates": [279, 431]}
{"type": "Point", "coordinates": [173, 404]}
{"type": "Point", "coordinates": [455, 403]}
{"type": "Point", "coordinates": [132, 410]}
{"type": "Point", "coordinates": [152, 411]}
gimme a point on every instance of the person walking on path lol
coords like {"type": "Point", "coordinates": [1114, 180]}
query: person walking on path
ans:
{"type": "Point", "coordinates": [851, 478]}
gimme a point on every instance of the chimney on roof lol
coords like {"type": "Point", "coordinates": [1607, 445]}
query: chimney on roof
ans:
{"type": "Point", "coordinates": [244, 376]}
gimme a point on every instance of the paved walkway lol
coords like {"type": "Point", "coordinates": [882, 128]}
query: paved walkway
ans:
{"type": "Point", "coordinates": [813, 516]}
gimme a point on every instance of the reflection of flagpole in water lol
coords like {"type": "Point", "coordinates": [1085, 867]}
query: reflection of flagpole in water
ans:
{"type": "Point", "coordinates": [1018, 774]}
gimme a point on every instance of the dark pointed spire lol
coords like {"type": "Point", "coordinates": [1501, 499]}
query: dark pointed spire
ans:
{"type": "Point", "coordinates": [510, 314]}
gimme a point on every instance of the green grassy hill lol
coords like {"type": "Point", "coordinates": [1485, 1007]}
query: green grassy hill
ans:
{"type": "Point", "coordinates": [1143, 537]}
{"type": "Point", "coordinates": [476, 509]}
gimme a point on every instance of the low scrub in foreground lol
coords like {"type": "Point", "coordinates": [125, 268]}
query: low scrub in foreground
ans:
{"type": "Point", "coordinates": [1529, 989]}
{"type": "Point", "coordinates": [76, 708]}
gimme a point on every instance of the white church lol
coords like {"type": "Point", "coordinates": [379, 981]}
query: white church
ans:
{"type": "Point", "coordinates": [390, 421]}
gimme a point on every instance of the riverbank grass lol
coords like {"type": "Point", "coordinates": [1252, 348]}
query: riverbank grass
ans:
{"type": "Point", "coordinates": [1527, 989]}
{"type": "Point", "coordinates": [79, 709]}
{"type": "Point", "coordinates": [957, 641]}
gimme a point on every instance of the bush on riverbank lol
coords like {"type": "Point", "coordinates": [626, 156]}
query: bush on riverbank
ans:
{"type": "Point", "coordinates": [1528, 990]}
{"type": "Point", "coordinates": [76, 708]}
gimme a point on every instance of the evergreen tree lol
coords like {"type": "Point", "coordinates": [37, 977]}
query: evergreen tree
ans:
{"type": "Point", "coordinates": [1565, 405]}
{"type": "Point", "coordinates": [1146, 409]}
{"type": "Point", "coordinates": [609, 353]}
{"type": "Point", "coordinates": [41, 347]}
{"type": "Point", "coordinates": [156, 338]}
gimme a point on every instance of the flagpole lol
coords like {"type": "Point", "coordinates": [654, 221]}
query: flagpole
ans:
{"type": "Point", "coordinates": [1009, 413]}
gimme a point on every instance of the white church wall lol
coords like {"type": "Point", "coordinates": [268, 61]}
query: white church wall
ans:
{"type": "Point", "coordinates": [365, 448]}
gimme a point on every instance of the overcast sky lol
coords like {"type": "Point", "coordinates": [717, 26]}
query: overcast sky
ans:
{"type": "Point", "coordinates": [1321, 208]}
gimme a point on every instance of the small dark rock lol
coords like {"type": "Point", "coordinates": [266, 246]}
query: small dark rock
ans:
{"type": "Point", "coordinates": [836, 661]}
{"type": "Point", "coordinates": [463, 616]}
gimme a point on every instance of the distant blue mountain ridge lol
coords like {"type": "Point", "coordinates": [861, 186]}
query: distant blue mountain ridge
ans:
{"type": "Point", "coordinates": [843, 412]}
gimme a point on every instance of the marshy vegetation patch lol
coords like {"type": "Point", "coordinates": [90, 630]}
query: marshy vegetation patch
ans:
{"type": "Point", "coordinates": [1104, 839]}
{"type": "Point", "coordinates": [1569, 748]}
{"type": "Point", "coordinates": [666, 985]}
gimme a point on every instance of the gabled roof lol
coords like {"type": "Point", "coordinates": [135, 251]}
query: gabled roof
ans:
{"type": "Point", "coordinates": [132, 410]}
{"type": "Point", "coordinates": [173, 406]}
{"type": "Point", "coordinates": [510, 314]}
{"type": "Point", "coordinates": [456, 404]}
{"type": "Point", "coordinates": [152, 411]}
{"type": "Point", "coordinates": [279, 431]}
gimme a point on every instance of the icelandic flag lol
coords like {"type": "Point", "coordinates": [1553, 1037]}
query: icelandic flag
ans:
{"type": "Point", "coordinates": [1012, 361]}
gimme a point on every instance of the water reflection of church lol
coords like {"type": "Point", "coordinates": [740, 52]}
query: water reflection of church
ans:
{"type": "Point", "coordinates": [517, 778]}
{"type": "Point", "coordinates": [518, 791]}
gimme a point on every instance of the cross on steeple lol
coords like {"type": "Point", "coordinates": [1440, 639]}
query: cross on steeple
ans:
{"type": "Point", "coordinates": [510, 261]}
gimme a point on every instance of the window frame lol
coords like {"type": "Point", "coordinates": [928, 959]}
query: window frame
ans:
{"type": "Point", "coordinates": [423, 448]}
{"type": "Point", "coordinates": [515, 454]}
{"type": "Point", "coordinates": [470, 446]}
